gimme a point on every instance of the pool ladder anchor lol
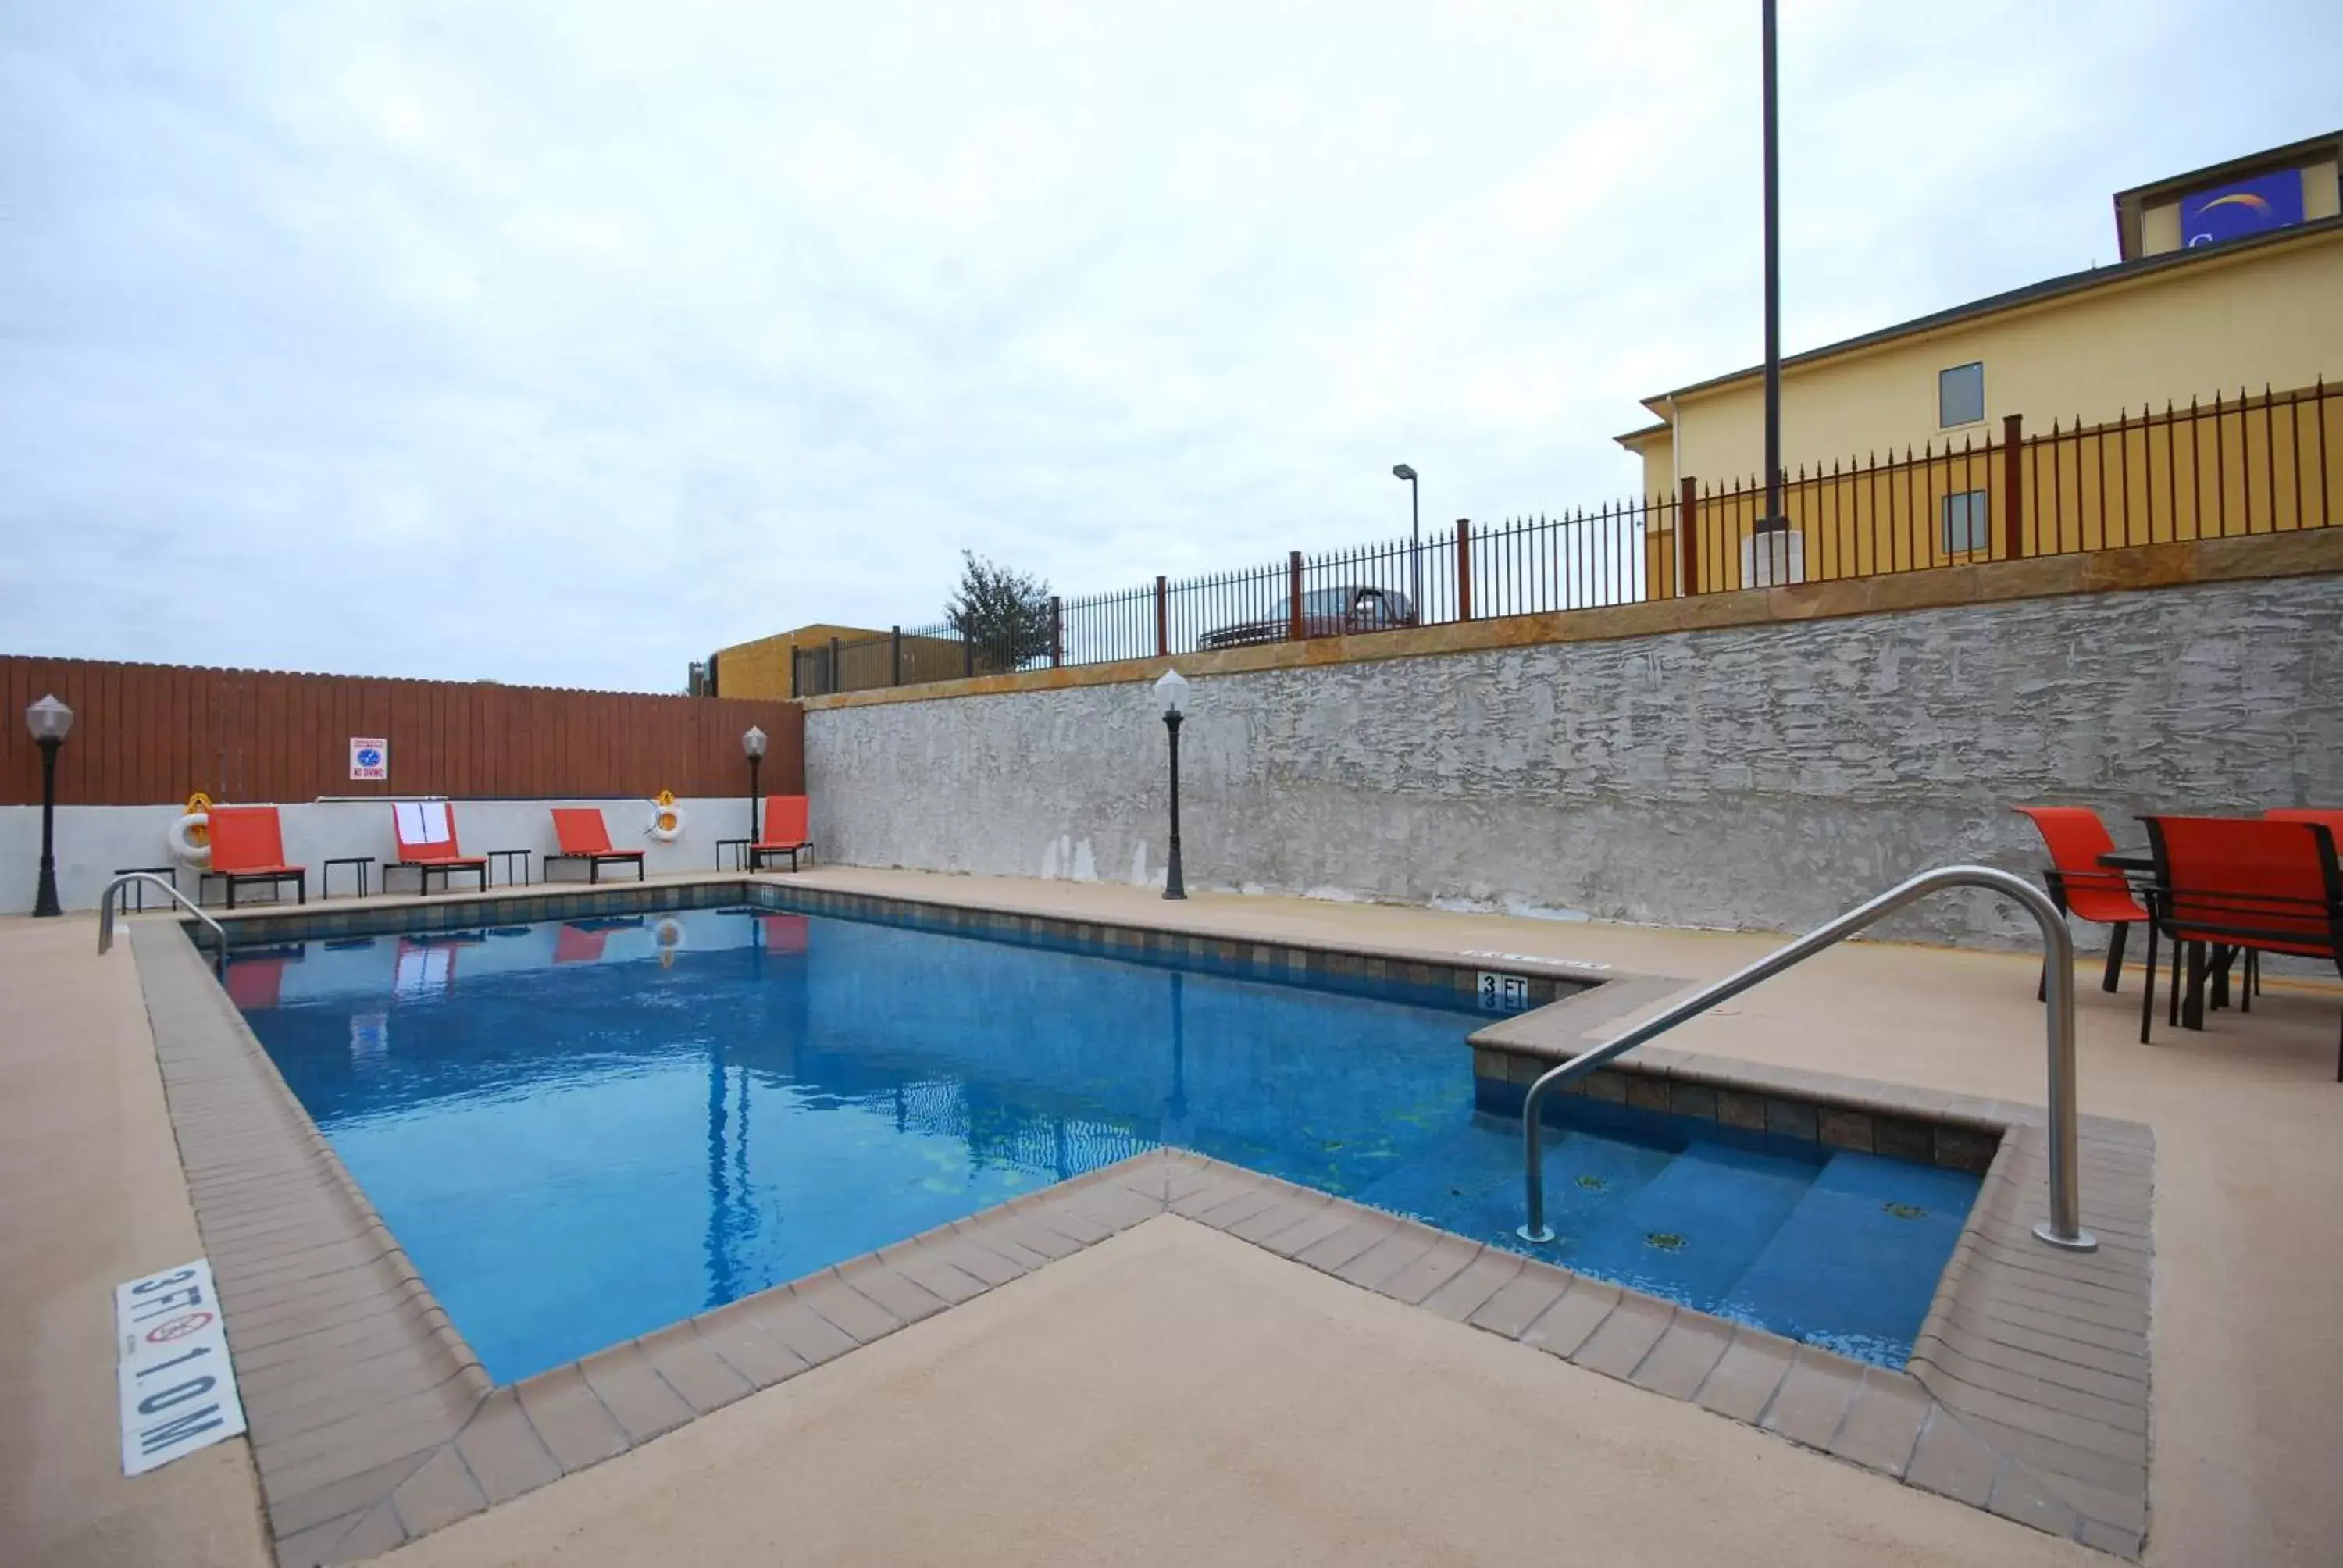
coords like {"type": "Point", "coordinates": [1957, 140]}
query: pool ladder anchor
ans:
{"type": "Point", "coordinates": [2062, 1229]}
{"type": "Point", "coordinates": [112, 897]}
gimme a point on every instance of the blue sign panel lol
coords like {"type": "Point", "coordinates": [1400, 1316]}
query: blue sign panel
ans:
{"type": "Point", "coordinates": [2241, 208]}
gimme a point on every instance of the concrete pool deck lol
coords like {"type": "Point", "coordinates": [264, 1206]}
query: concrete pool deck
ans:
{"type": "Point", "coordinates": [2249, 1357]}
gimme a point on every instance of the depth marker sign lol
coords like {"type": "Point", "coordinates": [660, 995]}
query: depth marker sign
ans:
{"type": "Point", "coordinates": [178, 1393]}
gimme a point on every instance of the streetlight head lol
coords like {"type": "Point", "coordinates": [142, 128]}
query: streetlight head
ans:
{"type": "Point", "coordinates": [49, 719]}
{"type": "Point", "coordinates": [752, 741]}
{"type": "Point", "coordinates": [1171, 693]}
{"type": "Point", "coordinates": [1402, 471]}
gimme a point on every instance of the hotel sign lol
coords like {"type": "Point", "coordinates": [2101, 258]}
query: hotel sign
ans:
{"type": "Point", "coordinates": [2241, 208]}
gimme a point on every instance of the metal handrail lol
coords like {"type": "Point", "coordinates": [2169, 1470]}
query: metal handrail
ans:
{"type": "Point", "coordinates": [2062, 1229]}
{"type": "Point", "coordinates": [106, 905]}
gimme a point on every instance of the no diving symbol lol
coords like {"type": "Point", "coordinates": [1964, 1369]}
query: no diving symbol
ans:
{"type": "Point", "coordinates": [177, 1328]}
{"type": "Point", "coordinates": [369, 757]}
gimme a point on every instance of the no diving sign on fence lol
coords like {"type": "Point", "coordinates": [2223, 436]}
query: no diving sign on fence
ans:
{"type": "Point", "coordinates": [178, 1393]}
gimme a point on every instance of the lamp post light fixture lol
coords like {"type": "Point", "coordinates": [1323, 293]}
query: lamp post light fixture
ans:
{"type": "Point", "coordinates": [50, 722]}
{"type": "Point", "coordinates": [1171, 695]}
{"type": "Point", "coordinates": [1416, 535]}
{"type": "Point", "coordinates": [753, 743]}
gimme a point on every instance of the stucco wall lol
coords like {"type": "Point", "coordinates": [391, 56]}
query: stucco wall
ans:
{"type": "Point", "coordinates": [94, 841]}
{"type": "Point", "coordinates": [1761, 777]}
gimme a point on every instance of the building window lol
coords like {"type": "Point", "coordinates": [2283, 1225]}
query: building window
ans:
{"type": "Point", "coordinates": [1967, 523]}
{"type": "Point", "coordinates": [1960, 395]}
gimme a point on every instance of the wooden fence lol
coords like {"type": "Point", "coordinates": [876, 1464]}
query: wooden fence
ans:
{"type": "Point", "coordinates": [147, 734]}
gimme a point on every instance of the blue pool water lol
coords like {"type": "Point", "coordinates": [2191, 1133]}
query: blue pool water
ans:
{"type": "Point", "coordinates": [584, 1130]}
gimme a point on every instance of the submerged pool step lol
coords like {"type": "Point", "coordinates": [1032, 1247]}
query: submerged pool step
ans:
{"type": "Point", "coordinates": [1854, 1264]}
{"type": "Point", "coordinates": [1691, 1231]}
{"type": "Point", "coordinates": [1471, 1182]}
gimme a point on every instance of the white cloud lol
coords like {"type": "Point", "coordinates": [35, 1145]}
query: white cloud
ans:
{"type": "Point", "coordinates": [562, 342]}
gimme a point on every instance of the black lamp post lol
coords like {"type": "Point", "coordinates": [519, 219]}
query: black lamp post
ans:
{"type": "Point", "coordinates": [1415, 534]}
{"type": "Point", "coordinates": [1772, 521]}
{"type": "Point", "coordinates": [753, 743]}
{"type": "Point", "coordinates": [50, 721]}
{"type": "Point", "coordinates": [1172, 691]}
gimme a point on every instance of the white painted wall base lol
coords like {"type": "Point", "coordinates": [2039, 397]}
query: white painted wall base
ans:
{"type": "Point", "coordinates": [92, 842]}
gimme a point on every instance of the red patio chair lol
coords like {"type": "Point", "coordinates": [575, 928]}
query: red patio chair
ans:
{"type": "Point", "coordinates": [2235, 882]}
{"type": "Point", "coordinates": [249, 846]}
{"type": "Point", "coordinates": [583, 836]}
{"type": "Point", "coordinates": [2079, 885]}
{"type": "Point", "coordinates": [426, 841]}
{"type": "Point", "coordinates": [785, 831]}
{"type": "Point", "coordinates": [2331, 817]}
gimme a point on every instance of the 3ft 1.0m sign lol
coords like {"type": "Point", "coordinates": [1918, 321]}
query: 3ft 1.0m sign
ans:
{"type": "Point", "coordinates": [178, 1393]}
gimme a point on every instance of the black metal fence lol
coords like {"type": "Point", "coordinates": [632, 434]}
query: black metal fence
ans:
{"type": "Point", "coordinates": [2243, 465]}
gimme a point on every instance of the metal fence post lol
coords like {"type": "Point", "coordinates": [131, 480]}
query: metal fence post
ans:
{"type": "Point", "coordinates": [2013, 487]}
{"type": "Point", "coordinates": [967, 655]}
{"type": "Point", "coordinates": [1293, 596]}
{"type": "Point", "coordinates": [1163, 618]}
{"type": "Point", "coordinates": [1463, 572]}
{"type": "Point", "coordinates": [829, 676]}
{"type": "Point", "coordinates": [895, 667]}
{"type": "Point", "coordinates": [1687, 540]}
{"type": "Point", "coordinates": [794, 651]}
{"type": "Point", "coordinates": [1057, 631]}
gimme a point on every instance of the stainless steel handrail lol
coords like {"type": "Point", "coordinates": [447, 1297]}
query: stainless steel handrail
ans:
{"type": "Point", "coordinates": [2062, 1229]}
{"type": "Point", "coordinates": [106, 905]}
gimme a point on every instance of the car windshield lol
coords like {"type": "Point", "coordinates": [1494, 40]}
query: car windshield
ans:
{"type": "Point", "coordinates": [1328, 601]}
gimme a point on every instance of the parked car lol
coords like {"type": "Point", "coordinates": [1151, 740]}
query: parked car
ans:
{"type": "Point", "coordinates": [1325, 612]}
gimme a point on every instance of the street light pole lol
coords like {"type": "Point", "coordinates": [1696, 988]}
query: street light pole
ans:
{"type": "Point", "coordinates": [1415, 536]}
{"type": "Point", "coordinates": [1172, 692]}
{"type": "Point", "coordinates": [50, 721]}
{"type": "Point", "coordinates": [1773, 518]}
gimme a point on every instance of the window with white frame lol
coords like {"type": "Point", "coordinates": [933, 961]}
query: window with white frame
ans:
{"type": "Point", "coordinates": [1967, 523]}
{"type": "Point", "coordinates": [1960, 395]}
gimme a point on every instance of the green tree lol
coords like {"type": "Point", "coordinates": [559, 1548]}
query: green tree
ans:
{"type": "Point", "coordinates": [1003, 612]}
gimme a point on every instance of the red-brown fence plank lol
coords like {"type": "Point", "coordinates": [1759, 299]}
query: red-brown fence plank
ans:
{"type": "Point", "coordinates": [151, 733]}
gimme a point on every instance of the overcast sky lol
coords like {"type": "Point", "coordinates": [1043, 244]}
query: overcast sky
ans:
{"type": "Point", "coordinates": [564, 342]}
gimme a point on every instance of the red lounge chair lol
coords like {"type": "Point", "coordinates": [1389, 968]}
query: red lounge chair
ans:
{"type": "Point", "coordinates": [426, 841]}
{"type": "Point", "coordinates": [247, 846]}
{"type": "Point", "coordinates": [2079, 885]}
{"type": "Point", "coordinates": [785, 831]}
{"type": "Point", "coordinates": [584, 837]}
{"type": "Point", "coordinates": [2236, 883]}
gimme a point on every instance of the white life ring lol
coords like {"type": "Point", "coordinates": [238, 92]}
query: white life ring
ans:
{"type": "Point", "coordinates": [667, 819]}
{"type": "Point", "coordinates": [183, 840]}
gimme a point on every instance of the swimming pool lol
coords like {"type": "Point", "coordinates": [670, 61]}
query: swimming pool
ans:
{"type": "Point", "coordinates": [583, 1130]}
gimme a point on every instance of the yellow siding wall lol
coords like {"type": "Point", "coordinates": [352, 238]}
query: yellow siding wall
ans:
{"type": "Point", "coordinates": [2266, 315]}
{"type": "Point", "coordinates": [761, 668]}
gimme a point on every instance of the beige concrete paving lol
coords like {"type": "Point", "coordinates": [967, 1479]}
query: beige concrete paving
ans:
{"type": "Point", "coordinates": [93, 1196]}
{"type": "Point", "coordinates": [1174, 1395]}
{"type": "Point", "coordinates": [2248, 1299]}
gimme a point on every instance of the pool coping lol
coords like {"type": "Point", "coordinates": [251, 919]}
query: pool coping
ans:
{"type": "Point", "coordinates": [372, 1423]}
